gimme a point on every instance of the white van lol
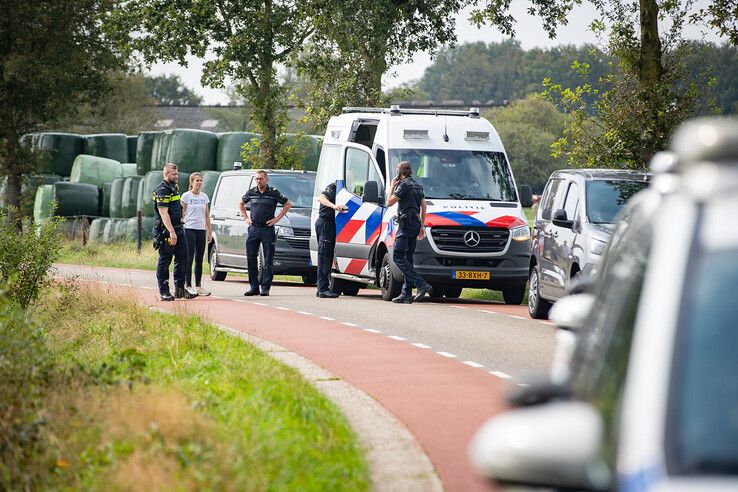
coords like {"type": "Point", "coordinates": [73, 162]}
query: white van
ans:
{"type": "Point", "coordinates": [476, 232]}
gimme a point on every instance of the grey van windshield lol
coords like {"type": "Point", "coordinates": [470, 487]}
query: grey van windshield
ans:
{"type": "Point", "coordinates": [459, 174]}
{"type": "Point", "coordinates": [298, 188]}
{"type": "Point", "coordinates": [605, 198]}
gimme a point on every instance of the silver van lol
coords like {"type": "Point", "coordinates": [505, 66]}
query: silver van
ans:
{"type": "Point", "coordinates": [574, 223]}
{"type": "Point", "coordinates": [227, 252]}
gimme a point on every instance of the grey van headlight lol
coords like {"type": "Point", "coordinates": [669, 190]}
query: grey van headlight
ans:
{"type": "Point", "coordinates": [521, 233]}
{"type": "Point", "coordinates": [595, 246]}
{"type": "Point", "coordinates": [284, 231]}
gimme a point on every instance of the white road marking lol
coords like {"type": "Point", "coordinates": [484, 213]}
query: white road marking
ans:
{"type": "Point", "coordinates": [516, 317]}
{"type": "Point", "coordinates": [421, 345]}
{"type": "Point", "coordinates": [489, 312]}
{"type": "Point", "coordinates": [395, 337]}
{"type": "Point", "coordinates": [446, 354]}
{"type": "Point", "coordinates": [472, 363]}
{"type": "Point", "coordinates": [305, 313]}
{"type": "Point", "coordinates": [125, 285]}
{"type": "Point", "coordinates": [146, 287]}
{"type": "Point", "coordinates": [500, 374]}
{"type": "Point", "coordinates": [260, 303]}
{"type": "Point", "coordinates": [282, 308]}
{"type": "Point", "coordinates": [371, 330]}
{"type": "Point", "coordinates": [327, 318]}
{"type": "Point", "coordinates": [349, 324]}
{"type": "Point", "coordinates": [458, 307]}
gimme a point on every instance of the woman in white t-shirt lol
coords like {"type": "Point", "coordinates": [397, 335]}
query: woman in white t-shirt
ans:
{"type": "Point", "coordinates": [197, 229]}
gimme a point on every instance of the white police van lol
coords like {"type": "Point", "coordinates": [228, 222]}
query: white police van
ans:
{"type": "Point", "coordinates": [476, 232]}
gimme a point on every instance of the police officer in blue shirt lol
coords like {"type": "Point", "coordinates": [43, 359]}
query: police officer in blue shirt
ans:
{"type": "Point", "coordinates": [263, 200]}
{"type": "Point", "coordinates": [170, 236]}
{"type": "Point", "coordinates": [410, 218]}
{"type": "Point", "coordinates": [325, 230]}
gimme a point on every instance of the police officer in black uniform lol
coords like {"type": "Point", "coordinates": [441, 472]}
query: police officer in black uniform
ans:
{"type": "Point", "coordinates": [410, 218]}
{"type": "Point", "coordinates": [325, 229]}
{"type": "Point", "coordinates": [170, 236]}
{"type": "Point", "coordinates": [263, 200]}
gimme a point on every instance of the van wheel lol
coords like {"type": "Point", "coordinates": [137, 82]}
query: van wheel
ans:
{"type": "Point", "coordinates": [514, 295]}
{"type": "Point", "coordinates": [351, 288]}
{"type": "Point", "coordinates": [335, 285]}
{"type": "Point", "coordinates": [217, 276]}
{"type": "Point", "coordinates": [310, 278]}
{"type": "Point", "coordinates": [453, 291]}
{"type": "Point", "coordinates": [537, 306]}
{"type": "Point", "coordinates": [387, 283]}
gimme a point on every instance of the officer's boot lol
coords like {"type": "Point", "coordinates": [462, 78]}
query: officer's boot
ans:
{"type": "Point", "coordinates": [182, 293]}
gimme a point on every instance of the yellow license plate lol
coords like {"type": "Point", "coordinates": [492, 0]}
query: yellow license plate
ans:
{"type": "Point", "coordinates": [470, 275]}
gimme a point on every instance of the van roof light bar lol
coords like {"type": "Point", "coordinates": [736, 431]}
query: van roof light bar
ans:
{"type": "Point", "coordinates": [474, 112]}
{"type": "Point", "coordinates": [433, 112]}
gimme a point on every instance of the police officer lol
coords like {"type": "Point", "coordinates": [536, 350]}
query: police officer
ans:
{"type": "Point", "coordinates": [410, 218]}
{"type": "Point", "coordinates": [325, 229]}
{"type": "Point", "coordinates": [169, 229]}
{"type": "Point", "coordinates": [263, 200]}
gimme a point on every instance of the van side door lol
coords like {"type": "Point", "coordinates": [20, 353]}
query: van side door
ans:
{"type": "Point", "coordinates": [566, 242]}
{"type": "Point", "coordinates": [362, 190]}
{"type": "Point", "coordinates": [232, 239]}
{"type": "Point", "coordinates": [546, 236]}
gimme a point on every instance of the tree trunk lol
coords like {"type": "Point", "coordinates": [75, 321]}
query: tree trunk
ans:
{"type": "Point", "coordinates": [13, 171]}
{"type": "Point", "coordinates": [650, 75]}
{"type": "Point", "coordinates": [650, 67]}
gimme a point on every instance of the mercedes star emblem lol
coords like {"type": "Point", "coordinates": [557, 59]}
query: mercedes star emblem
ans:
{"type": "Point", "coordinates": [472, 239]}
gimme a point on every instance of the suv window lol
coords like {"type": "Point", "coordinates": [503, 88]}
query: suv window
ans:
{"type": "Point", "coordinates": [329, 167]}
{"type": "Point", "coordinates": [549, 198]}
{"type": "Point", "coordinates": [572, 201]}
{"type": "Point", "coordinates": [359, 170]}
{"type": "Point", "coordinates": [224, 193]}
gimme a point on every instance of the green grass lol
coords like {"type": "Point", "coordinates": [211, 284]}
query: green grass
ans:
{"type": "Point", "coordinates": [169, 402]}
{"type": "Point", "coordinates": [530, 214]}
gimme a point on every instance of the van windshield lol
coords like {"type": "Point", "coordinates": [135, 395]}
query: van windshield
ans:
{"type": "Point", "coordinates": [605, 198]}
{"type": "Point", "coordinates": [298, 188]}
{"type": "Point", "coordinates": [459, 174]}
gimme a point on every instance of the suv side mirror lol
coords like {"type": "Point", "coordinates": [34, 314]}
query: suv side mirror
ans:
{"type": "Point", "coordinates": [371, 193]}
{"type": "Point", "coordinates": [559, 218]}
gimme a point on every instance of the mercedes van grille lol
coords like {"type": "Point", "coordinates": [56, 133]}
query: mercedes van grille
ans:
{"type": "Point", "coordinates": [470, 239]}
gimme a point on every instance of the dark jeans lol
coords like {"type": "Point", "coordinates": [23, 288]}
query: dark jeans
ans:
{"type": "Point", "coordinates": [403, 257]}
{"type": "Point", "coordinates": [180, 263]}
{"type": "Point", "coordinates": [196, 250]}
{"type": "Point", "coordinates": [265, 238]}
{"type": "Point", "coordinates": [326, 233]}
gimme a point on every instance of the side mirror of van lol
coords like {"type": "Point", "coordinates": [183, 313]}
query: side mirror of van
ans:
{"type": "Point", "coordinates": [371, 193]}
{"type": "Point", "coordinates": [559, 219]}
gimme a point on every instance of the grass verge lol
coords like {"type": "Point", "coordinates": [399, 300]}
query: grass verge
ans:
{"type": "Point", "coordinates": [144, 400]}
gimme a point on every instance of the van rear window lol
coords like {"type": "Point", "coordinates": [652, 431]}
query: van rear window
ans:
{"type": "Point", "coordinates": [459, 174]}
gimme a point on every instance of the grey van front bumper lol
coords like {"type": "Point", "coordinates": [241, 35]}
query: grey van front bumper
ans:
{"type": "Point", "coordinates": [291, 260]}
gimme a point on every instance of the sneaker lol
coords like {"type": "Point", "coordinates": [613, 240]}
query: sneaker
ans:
{"type": "Point", "coordinates": [403, 299]}
{"type": "Point", "coordinates": [182, 293]}
{"type": "Point", "coordinates": [202, 292]}
{"type": "Point", "coordinates": [167, 297]}
{"type": "Point", "coordinates": [251, 292]}
{"type": "Point", "coordinates": [327, 294]}
{"type": "Point", "coordinates": [264, 293]}
{"type": "Point", "coordinates": [422, 292]}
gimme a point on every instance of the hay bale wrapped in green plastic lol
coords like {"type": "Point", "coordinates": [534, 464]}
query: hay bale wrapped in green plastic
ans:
{"type": "Point", "coordinates": [58, 151]}
{"type": "Point", "coordinates": [119, 231]}
{"type": "Point", "coordinates": [147, 227]}
{"type": "Point", "coordinates": [160, 149]}
{"type": "Point", "coordinates": [129, 196]}
{"type": "Point", "coordinates": [209, 180]}
{"type": "Point", "coordinates": [28, 190]}
{"type": "Point", "coordinates": [42, 205]}
{"type": "Point", "coordinates": [128, 169]}
{"type": "Point", "coordinates": [147, 223]}
{"type": "Point", "coordinates": [144, 148]}
{"type": "Point", "coordinates": [108, 230]}
{"type": "Point", "coordinates": [75, 199]}
{"type": "Point", "coordinates": [94, 170]}
{"type": "Point", "coordinates": [97, 227]}
{"type": "Point", "coordinates": [116, 198]}
{"type": "Point", "coordinates": [132, 143]}
{"type": "Point", "coordinates": [193, 150]}
{"type": "Point", "coordinates": [229, 149]}
{"type": "Point", "coordinates": [104, 199]}
{"type": "Point", "coordinates": [109, 145]}
{"type": "Point", "coordinates": [151, 181]}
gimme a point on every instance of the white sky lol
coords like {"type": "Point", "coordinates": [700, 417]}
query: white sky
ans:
{"type": "Point", "coordinates": [529, 31]}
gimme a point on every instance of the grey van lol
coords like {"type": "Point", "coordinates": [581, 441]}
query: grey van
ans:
{"type": "Point", "coordinates": [227, 252]}
{"type": "Point", "coordinates": [574, 223]}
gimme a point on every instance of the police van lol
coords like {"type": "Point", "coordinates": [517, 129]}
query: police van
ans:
{"type": "Point", "coordinates": [476, 232]}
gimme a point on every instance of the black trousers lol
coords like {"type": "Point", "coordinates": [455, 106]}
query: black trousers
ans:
{"type": "Point", "coordinates": [402, 255]}
{"type": "Point", "coordinates": [165, 259]}
{"type": "Point", "coordinates": [326, 232]}
{"type": "Point", "coordinates": [264, 237]}
{"type": "Point", "coordinates": [195, 251]}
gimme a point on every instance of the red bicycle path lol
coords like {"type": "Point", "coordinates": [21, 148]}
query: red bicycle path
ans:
{"type": "Point", "coordinates": [441, 401]}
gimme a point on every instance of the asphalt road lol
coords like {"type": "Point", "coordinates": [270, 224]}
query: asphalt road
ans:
{"type": "Point", "coordinates": [487, 335]}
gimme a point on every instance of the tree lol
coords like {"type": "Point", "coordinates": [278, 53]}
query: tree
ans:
{"type": "Point", "coordinates": [647, 95]}
{"type": "Point", "coordinates": [528, 127]}
{"type": "Point", "coordinates": [247, 39]}
{"type": "Point", "coordinates": [53, 57]}
{"type": "Point", "coordinates": [349, 55]}
{"type": "Point", "coordinates": [168, 90]}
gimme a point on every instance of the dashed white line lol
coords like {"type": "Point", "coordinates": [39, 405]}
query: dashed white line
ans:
{"type": "Point", "coordinates": [147, 287]}
{"type": "Point", "coordinates": [472, 363]}
{"type": "Point", "coordinates": [458, 307]}
{"type": "Point", "coordinates": [516, 317]}
{"type": "Point", "coordinates": [305, 313]}
{"type": "Point", "coordinates": [500, 374]}
{"type": "Point", "coordinates": [421, 345]}
{"type": "Point", "coordinates": [260, 304]}
{"type": "Point", "coordinates": [395, 337]}
{"type": "Point", "coordinates": [446, 354]}
{"type": "Point", "coordinates": [371, 330]}
{"type": "Point", "coordinates": [281, 308]}
{"type": "Point", "coordinates": [349, 324]}
{"type": "Point", "coordinates": [489, 312]}
{"type": "Point", "coordinates": [327, 318]}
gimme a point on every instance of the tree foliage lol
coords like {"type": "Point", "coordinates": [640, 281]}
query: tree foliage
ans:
{"type": "Point", "coordinates": [168, 90]}
{"type": "Point", "coordinates": [53, 58]}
